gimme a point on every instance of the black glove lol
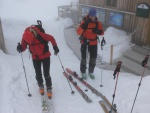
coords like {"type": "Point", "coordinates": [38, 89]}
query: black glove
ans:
{"type": "Point", "coordinates": [56, 50]}
{"type": "Point", "coordinates": [85, 24]}
{"type": "Point", "coordinates": [19, 48]}
{"type": "Point", "coordinates": [97, 31]}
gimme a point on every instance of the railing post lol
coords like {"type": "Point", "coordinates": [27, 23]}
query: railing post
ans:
{"type": "Point", "coordinates": [111, 54]}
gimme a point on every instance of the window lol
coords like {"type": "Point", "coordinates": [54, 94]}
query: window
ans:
{"type": "Point", "coordinates": [112, 3]}
{"type": "Point", "coordinates": [116, 18]}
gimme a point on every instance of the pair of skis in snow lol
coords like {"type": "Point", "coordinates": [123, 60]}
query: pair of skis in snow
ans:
{"type": "Point", "coordinates": [47, 104]}
{"type": "Point", "coordinates": [104, 102]}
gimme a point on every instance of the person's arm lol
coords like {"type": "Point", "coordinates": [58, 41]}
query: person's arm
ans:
{"type": "Point", "coordinates": [83, 26]}
{"type": "Point", "coordinates": [48, 37]}
{"type": "Point", "coordinates": [79, 29]}
{"type": "Point", "coordinates": [99, 30]}
{"type": "Point", "coordinates": [52, 40]}
{"type": "Point", "coordinates": [23, 45]}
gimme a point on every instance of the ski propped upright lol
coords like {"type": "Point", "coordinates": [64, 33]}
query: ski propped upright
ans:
{"type": "Point", "coordinates": [73, 73]}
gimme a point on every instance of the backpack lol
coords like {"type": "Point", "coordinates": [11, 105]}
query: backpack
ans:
{"type": "Point", "coordinates": [39, 26]}
{"type": "Point", "coordinates": [81, 36]}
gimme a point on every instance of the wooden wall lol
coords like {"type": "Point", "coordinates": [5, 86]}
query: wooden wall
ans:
{"type": "Point", "coordinates": [131, 22]}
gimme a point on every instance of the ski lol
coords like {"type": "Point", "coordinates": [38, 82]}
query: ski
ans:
{"type": "Point", "coordinates": [103, 106]}
{"type": "Point", "coordinates": [47, 104]}
{"type": "Point", "coordinates": [50, 105]}
{"type": "Point", "coordinates": [73, 73]}
{"type": "Point", "coordinates": [45, 107]}
{"type": "Point", "coordinates": [87, 99]}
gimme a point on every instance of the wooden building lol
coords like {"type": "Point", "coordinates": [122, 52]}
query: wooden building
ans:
{"type": "Point", "coordinates": [125, 12]}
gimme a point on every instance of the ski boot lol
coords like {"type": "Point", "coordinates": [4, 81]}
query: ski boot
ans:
{"type": "Point", "coordinates": [49, 92]}
{"type": "Point", "coordinates": [84, 76]}
{"type": "Point", "coordinates": [41, 89]}
{"type": "Point", "coordinates": [91, 76]}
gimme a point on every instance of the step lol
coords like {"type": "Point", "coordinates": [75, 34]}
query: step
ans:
{"type": "Point", "coordinates": [146, 47]}
{"type": "Point", "coordinates": [136, 57]}
{"type": "Point", "coordinates": [112, 67]}
{"type": "Point", "coordinates": [141, 50]}
{"type": "Point", "coordinates": [132, 67]}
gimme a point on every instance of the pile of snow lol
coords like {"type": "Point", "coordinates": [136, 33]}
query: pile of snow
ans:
{"type": "Point", "coordinates": [118, 40]}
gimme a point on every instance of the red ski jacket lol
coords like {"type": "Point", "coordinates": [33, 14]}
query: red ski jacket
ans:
{"type": "Point", "coordinates": [35, 46]}
{"type": "Point", "coordinates": [88, 34]}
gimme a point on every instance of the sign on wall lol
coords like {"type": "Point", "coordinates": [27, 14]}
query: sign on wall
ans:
{"type": "Point", "coordinates": [116, 18]}
{"type": "Point", "coordinates": [143, 10]}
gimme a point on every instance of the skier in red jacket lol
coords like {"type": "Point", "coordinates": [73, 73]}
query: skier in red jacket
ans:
{"type": "Point", "coordinates": [89, 29]}
{"type": "Point", "coordinates": [37, 40]}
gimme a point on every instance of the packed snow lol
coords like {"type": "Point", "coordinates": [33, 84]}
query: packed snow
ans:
{"type": "Point", "coordinates": [16, 15]}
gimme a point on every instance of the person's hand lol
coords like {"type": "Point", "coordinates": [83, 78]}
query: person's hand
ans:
{"type": "Point", "coordinates": [19, 48]}
{"type": "Point", "coordinates": [84, 26]}
{"type": "Point", "coordinates": [56, 50]}
{"type": "Point", "coordinates": [97, 31]}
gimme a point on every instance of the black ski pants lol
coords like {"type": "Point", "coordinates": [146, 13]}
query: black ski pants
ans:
{"type": "Point", "coordinates": [92, 49]}
{"type": "Point", "coordinates": [46, 68]}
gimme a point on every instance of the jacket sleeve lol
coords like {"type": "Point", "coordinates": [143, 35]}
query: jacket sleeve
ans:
{"type": "Point", "coordinates": [79, 29]}
{"type": "Point", "coordinates": [23, 44]}
{"type": "Point", "coordinates": [100, 28]}
{"type": "Point", "coordinates": [48, 37]}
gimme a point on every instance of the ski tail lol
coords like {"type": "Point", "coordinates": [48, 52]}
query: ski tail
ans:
{"type": "Point", "coordinates": [103, 106]}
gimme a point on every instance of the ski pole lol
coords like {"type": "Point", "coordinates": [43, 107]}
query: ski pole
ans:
{"type": "Point", "coordinates": [117, 70]}
{"type": "Point", "coordinates": [103, 42]}
{"type": "Point", "coordinates": [25, 74]}
{"type": "Point", "coordinates": [87, 54]}
{"type": "Point", "coordinates": [144, 64]}
{"type": "Point", "coordinates": [65, 72]}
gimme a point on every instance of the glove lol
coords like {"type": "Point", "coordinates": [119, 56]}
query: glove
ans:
{"type": "Point", "coordinates": [97, 31]}
{"type": "Point", "coordinates": [56, 50]}
{"type": "Point", "coordinates": [85, 24]}
{"type": "Point", "coordinates": [19, 48]}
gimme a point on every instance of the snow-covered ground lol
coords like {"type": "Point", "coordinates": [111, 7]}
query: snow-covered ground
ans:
{"type": "Point", "coordinates": [16, 15]}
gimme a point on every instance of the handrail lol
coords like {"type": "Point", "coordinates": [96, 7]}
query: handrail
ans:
{"type": "Point", "coordinates": [127, 36]}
